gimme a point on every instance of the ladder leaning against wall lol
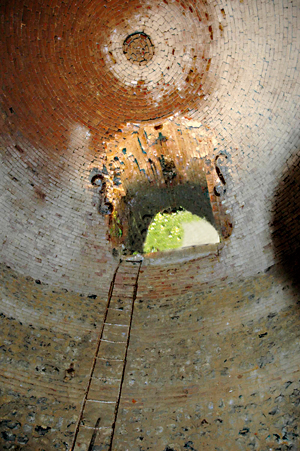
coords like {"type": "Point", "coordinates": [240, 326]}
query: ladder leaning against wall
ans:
{"type": "Point", "coordinates": [99, 409]}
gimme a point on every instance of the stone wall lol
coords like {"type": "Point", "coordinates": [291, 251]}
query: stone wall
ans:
{"type": "Point", "coordinates": [49, 337]}
{"type": "Point", "coordinates": [215, 368]}
{"type": "Point", "coordinates": [210, 366]}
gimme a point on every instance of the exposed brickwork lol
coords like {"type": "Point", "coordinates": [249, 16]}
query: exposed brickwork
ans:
{"type": "Point", "coordinates": [46, 358]}
{"type": "Point", "coordinates": [155, 168]}
{"type": "Point", "coordinates": [218, 98]}
{"type": "Point", "coordinates": [65, 99]}
{"type": "Point", "coordinates": [100, 406]}
{"type": "Point", "coordinates": [215, 368]}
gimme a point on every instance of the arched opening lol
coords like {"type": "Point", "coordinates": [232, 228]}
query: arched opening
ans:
{"type": "Point", "coordinates": [137, 210]}
{"type": "Point", "coordinates": [177, 228]}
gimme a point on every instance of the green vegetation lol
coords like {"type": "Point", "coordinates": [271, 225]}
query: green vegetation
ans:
{"type": "Point", "coordinates": [115, 229]}
{"type": "Point", "coordinates": [166, 231]}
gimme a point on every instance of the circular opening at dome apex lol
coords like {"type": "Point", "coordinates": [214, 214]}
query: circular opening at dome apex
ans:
{"type": "Point", "coordinates": [138, 48]}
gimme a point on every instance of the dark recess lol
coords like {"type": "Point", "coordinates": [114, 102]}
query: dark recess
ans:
{"type": "Point", "coordinates": [141, 205]}
{"type": "Point", "coordinates": [285, 225]}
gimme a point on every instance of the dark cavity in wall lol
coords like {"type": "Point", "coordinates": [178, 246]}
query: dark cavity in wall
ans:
{"type": "Point", "coordinates": [168, 168]}
{"type": "Point", "coordinates": [98, 181]}
{"type": "Point", "coordinates": [143, 202]}
{"type": "Point", "coordinates": [286, 220]}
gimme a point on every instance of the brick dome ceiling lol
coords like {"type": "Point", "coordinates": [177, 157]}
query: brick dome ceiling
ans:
{"type": "Point", "coordinates": [69, 60]}
{"type": "Point", "coordinates": [78, 79]}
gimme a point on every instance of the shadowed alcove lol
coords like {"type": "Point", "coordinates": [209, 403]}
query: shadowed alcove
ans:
{"type": "Point", "coordinates": [150, 201]}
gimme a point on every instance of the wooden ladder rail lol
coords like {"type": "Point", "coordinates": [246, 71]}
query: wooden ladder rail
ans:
{"type": "Point", "coordinates": [88, 427]}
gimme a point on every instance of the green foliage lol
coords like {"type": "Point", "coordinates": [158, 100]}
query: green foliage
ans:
{"type": "Point", "coordinates": [115, 229]}
{"type": "Point", "coordinates": [166, 231]}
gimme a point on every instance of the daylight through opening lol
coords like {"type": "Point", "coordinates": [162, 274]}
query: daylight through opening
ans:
{"type": "Point", "coordinates": [174, 229]}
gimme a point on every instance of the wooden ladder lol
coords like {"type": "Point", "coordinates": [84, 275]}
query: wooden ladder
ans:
{"type": "Point", "coordinates": [99, 409]}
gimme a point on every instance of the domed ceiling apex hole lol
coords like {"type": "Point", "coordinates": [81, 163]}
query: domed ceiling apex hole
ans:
{"type": "Point", "coordinates": [138, 48]}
